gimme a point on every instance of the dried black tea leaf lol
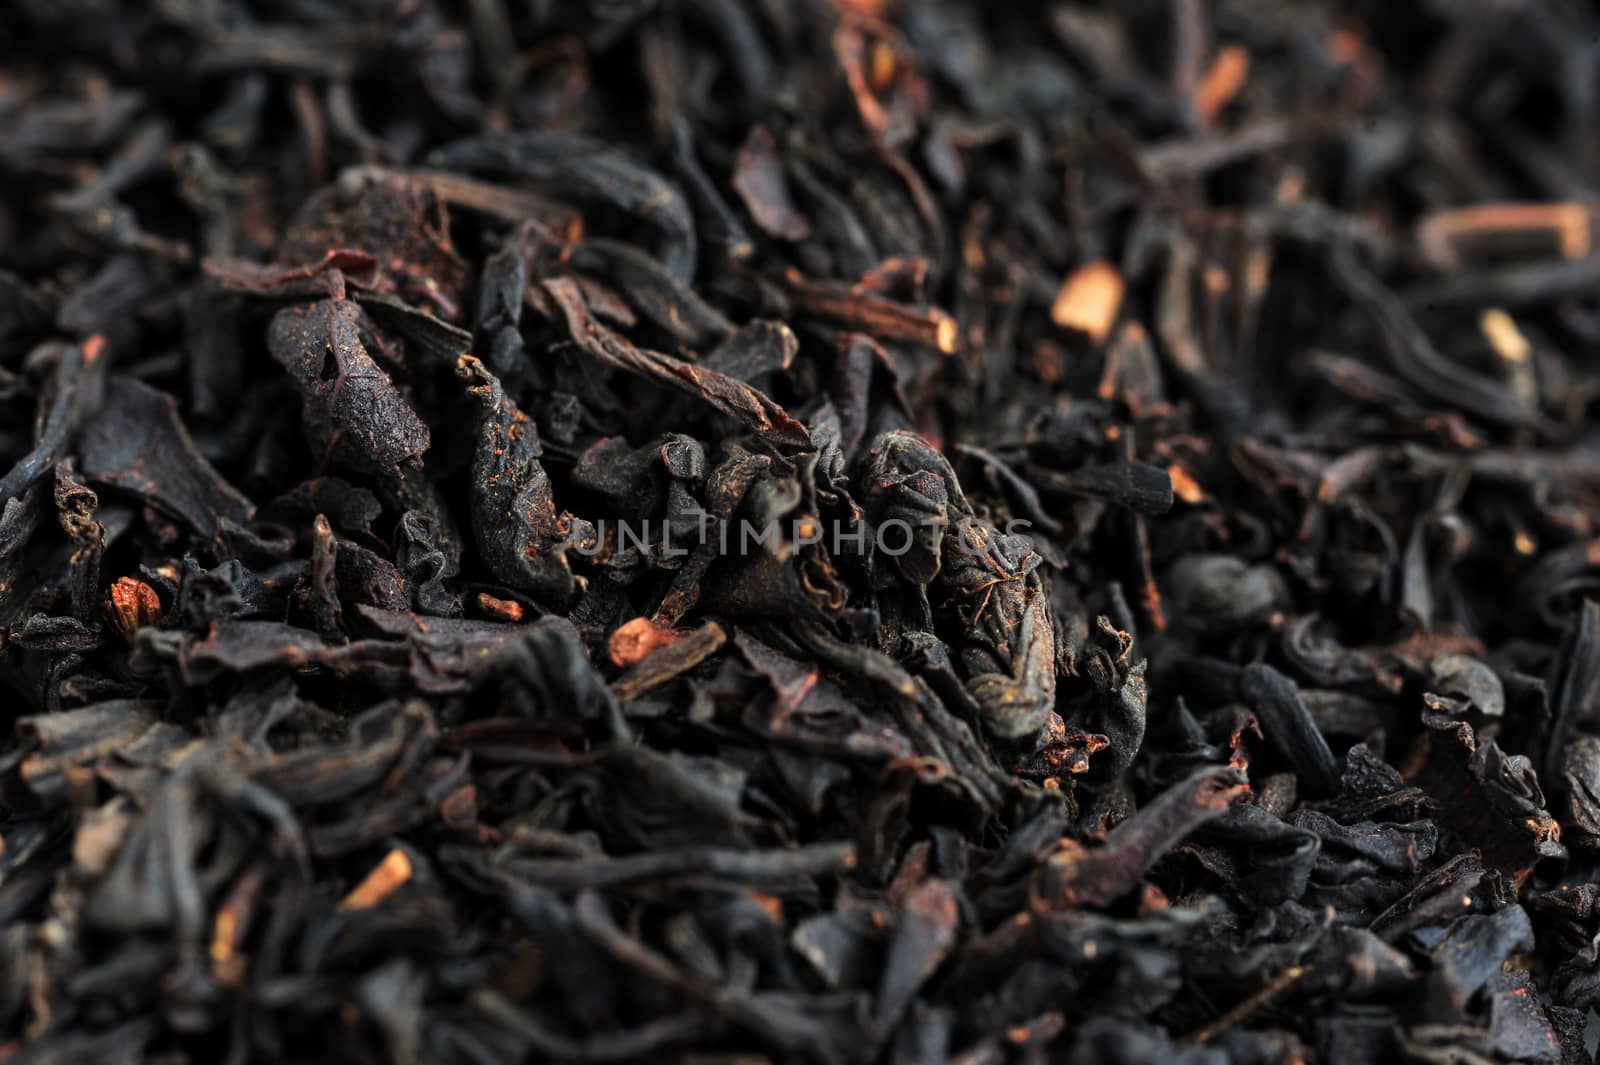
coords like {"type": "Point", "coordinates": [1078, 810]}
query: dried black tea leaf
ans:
{"type": "Point", "coordinates": [352, 411]}
{"type": "Point", "coordinates": [854, 532]}
{"type": "Point", "coordinates": [137, 445]}
{"type": "Point", "coordinates": [725, 394]}
{"type": "Point", "coordinates": [522, 538]}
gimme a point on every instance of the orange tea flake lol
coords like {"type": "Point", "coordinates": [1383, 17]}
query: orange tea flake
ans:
{"type": "Point", "coordinates": [384, 880]}
{"type": "Point", "coordinates": [1222, 82]}
{"type": "Point", "coordinates": [1088, 300]}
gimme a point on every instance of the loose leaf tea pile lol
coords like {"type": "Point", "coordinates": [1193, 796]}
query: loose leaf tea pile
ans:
{"type": "Point", "coordinates": [823, 531]}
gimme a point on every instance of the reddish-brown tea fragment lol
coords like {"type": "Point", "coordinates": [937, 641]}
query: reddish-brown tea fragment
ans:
{"type": "Point", "coordinates": [132, 604]}
{"type": "Point", "coordinates": [636, 639]}
{"type": "Point", "coordinates": [499, 609]}
{"type": "Point", "coordinates": [879, 318]}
